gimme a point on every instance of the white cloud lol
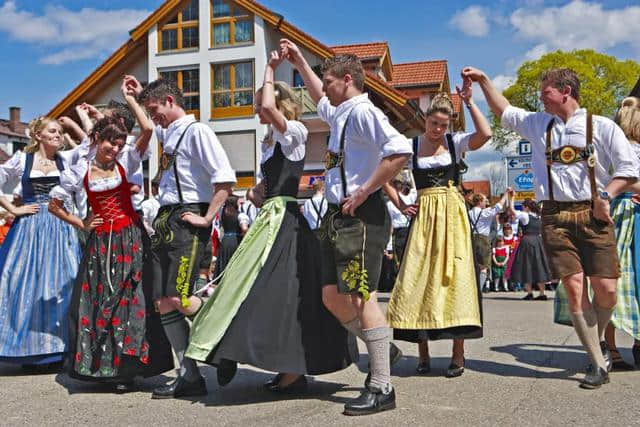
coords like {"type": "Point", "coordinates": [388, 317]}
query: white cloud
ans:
{"type": "Point", "coordinates": [472, 21]}
{"type": "Point", "coordinates": [576, 25]}
{"type": "Point", "coordinates": [81, 34]}
{"type": "Point", "coordinates": [501, 82]}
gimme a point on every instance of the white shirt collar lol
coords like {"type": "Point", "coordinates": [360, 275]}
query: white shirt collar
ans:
{"type": "Point", "coordinates": [579, 112]}
{"type": "Point", "coordinates": [350, 103]}
{"type": "Point", "coordinates": [181, 123]}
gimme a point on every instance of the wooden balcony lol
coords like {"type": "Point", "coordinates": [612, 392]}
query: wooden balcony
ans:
{"type": "Point", "coordinates": [302, 96]}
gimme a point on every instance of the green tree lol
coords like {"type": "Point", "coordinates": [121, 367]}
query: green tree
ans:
{"type": "Point", "coordinates": [604, 82]}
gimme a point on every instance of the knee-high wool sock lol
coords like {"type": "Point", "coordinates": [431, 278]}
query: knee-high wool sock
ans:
{"type": "Point", "coordinates": [355, 327]}
{"type": "Point", "coordinates": [586, 326]}
{"type": "Point", "coordinates": [604, 317]}
{"type": "Point", "coordinates": [177, 331]}
{"type": "Point", "coordinates": [377, 341]}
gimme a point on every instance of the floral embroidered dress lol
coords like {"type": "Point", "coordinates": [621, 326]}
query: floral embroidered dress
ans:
{"type": "Point", "coordinates": [115, 333]}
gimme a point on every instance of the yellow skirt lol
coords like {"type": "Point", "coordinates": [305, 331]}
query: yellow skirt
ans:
{"type": "Point", "coordinates": [436, 286]}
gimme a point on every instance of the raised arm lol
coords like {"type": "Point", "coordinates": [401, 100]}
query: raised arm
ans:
{"type": "Point", "coordinates": [497, 102]}
{"type": "Point", "coordinates": [483, 130]}
{"type": "Point", "coordinates": [72, 128]}
{"type": "Point", "coordinates": [86, 112]}
{"type": "Point", "coordinates": [146, 127]}
{"type": "Point", "coordinates": [269, 108]}
{"type": "Point", "coordinates": [289, 50]}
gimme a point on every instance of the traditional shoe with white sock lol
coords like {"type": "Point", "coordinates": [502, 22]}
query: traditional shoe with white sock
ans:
{"type": "Point", "coordinates": [371, 401]}
{"type": "Point", "coordinates": [586, 326]}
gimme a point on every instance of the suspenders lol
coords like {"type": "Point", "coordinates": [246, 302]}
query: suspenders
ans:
{"type": "Point", "coordinates": [318, 211]}
{"type": "Point", "coordinates": [591, 160]}
{"type": "Point", "coordinates": [174, 156]}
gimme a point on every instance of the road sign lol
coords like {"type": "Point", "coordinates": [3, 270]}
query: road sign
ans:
{"type": "Point", "coordinates": [522, 195]}
{"type": "Point", "coordinates": [524, 148]}
{"type": "Point", "coordinates": [520, 175]}
{"type": "Point", "coordinates": [519, 162]}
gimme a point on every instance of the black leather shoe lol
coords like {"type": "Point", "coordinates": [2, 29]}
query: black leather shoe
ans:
{"type": "Point", "coordinates": [594, 378]}
{"type": "Point", "coordinates": [299, 385]}
{"type": "Point", "coordinates": [635, 350]}
{"type": "Point", "coordinates": [541, 298]}
{"type": "Point", "coordinates": [395, 354]}
{"type": "Point", "coordinates": [424, 367]}
{"type": "Point", "coordinates": [606, 354]}
{"type": "Point", "coordinates": [528, 297]}
{"type": "Point", "coordinates": [180, 388]}
{"type": "Point", "coordinates": [371, 401]}
{"type": "Point", "coordinates": [454, 371]}
{"type": "Point", "coordinates": [226, 371]}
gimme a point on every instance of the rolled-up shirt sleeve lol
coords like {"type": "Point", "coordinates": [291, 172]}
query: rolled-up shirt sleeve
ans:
{"type": "Point", "coordinates": [527, 124]}
{"type": "Point", "coordinates": [212, 156]}
{"type": "Point", "coordinates": [375, 126]}
{"type": "Point", "coordinates": [623, 160]}
{"type": "Point", "coordinates": [12, 169]}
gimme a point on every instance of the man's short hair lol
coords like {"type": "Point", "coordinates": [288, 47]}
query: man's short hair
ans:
{"type": "Point", "coordinates": [158, 90]}
{"type": "Point", "coordinates": [318, 185]}
{"type": "Point", "coordinates": [562, 77]}
{"type": "Point", "coordinates": [477, 198]}
{"type": "Point", "coordinates": [123, 112]}
{"type": "Point", "coordinates": [341, 65]}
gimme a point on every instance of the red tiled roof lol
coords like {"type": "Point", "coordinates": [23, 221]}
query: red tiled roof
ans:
{"type": "Point", "coordinates": [419, 73]}
{"type": "Point", "coordinates": [457, 102]}
{"type": "Point", "coordinates": [364, 50]}
{"type": "Point", "coordinates": [19, 132]}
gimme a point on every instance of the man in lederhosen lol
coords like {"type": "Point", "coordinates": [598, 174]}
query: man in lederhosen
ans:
{"type": "Point", "coordinates": [196, 180]}
{"type": "Point", "coordinates": [364, 153]}
{"type": "Point", "coordinates": [573, 153]}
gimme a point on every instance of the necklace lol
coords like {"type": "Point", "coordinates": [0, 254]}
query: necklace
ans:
{"type": "Point", "coordinates": [44, 162]}
{"type": "Point", "coordinates": [104, 166]}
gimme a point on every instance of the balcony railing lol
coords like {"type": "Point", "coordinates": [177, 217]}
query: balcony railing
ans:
{"type": "Point", "coordinates": [302, 96]}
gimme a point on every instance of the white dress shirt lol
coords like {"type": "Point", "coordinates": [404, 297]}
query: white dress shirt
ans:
{"type": "Point", "coordinates": [318, 203]}
{"type": "Point", "coordinates": [201, 162]}
{"type": "Point", "coordinates": [369, 137]}
{"type": "Point", "coordinates": [482, 218]}
{"type": "Point", "coordinates": [398, 219]}
{"type": "Point", "coordinates": [571, 182]}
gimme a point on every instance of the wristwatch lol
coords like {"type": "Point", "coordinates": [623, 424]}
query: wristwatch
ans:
{"type": "Point", "coordinates": [605, 196]}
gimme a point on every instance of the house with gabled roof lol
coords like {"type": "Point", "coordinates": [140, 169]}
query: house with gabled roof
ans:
{"type": "Point", "coordinates": [216, 51]}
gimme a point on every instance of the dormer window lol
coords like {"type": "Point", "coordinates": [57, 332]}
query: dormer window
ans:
{"type": "Point", "coordinates": [230, 24]}
{"type": "Point", "coordinates": [180, 31]}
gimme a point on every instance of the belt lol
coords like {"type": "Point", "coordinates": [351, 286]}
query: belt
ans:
{"type": "Point", "coordinates": [553, 206]}
{"type": "Point", "coordinates": [570, 154]}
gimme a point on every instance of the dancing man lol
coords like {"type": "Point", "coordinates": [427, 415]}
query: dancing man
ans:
{"type": "Point", "coordinates": [364, 153]}
{"type": "Point", "coordinates": [572, 154]}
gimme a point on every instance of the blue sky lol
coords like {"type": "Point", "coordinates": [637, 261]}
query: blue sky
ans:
{"type": "Point", "coordinates": [49, 46]}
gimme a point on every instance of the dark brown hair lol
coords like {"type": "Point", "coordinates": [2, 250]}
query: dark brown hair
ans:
{"type": "Point", "coordinates": [341, 65]}
{"type": "Point", "coordinates": [158, 90]}
{"type": "Point", "coordinates": [109, 128]}
{"type": "Point", "coordinates": [532, 205]}
{"type": "Point", "coordinates": [561, 77]}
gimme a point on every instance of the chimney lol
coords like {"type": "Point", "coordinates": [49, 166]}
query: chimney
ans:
{"type": "Point", "coordinates": [14, 118]}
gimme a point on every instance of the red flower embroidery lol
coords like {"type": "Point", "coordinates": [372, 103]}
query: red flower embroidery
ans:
{"type": "Point", "coordinates": [134, 301]}
{"type": "Point", "coordinates": [140, 314]}
{"type": "Point", "coordinates": [124, 302]}
{"type": "Point", "coordinates": [85, 287]}
{"type": "Point", "coordinates": [100, 323]}
{"type": "Point", "coordinates": [135, 247]}
{"type": "Point", "coordinates": [119, 258]}
{"type": "Point", "coordinates": [128, 285]}
{"type": "Point", "coordinates": [127, 340]}
{"type": "Point", "coordinates": [116, 361]}
{"type": "Point", "coordinates": [84, 321]}
{"type": "Point", "coordinates": [144, 347]}
{"type": "Point", "coordinates": [144, 359]}
{"type": "Point", "coordinates": [138, 276]}
{"type": "Point", "coordinates": [131, 352]}
{"type": "Point", "coordinates": [106, 312]}
{"type": "Point", "coordinates": [100, 288]}
{"type": "Point", "coordinates": [127, 258]}
{"type": "Point", "coordinates": [78, 357]}
{"type": "Point", "coordinates": [115, 321]}
{"type": "Point", "coordinates": [103, 249]}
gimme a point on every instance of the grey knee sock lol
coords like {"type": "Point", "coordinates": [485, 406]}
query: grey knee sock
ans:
{"type": "Point", "coordinates": [355, 327]}
{"type": "Point", "coordinates": [377, 341]}
{"type": "Point", "coordinates": [177, 330]}
{"type": "Point", "coordinates": [483, 278]}
{"type": "Point", "coordinates": [604, 317]}
{"type": "Point", "coordinates": [586, 326]}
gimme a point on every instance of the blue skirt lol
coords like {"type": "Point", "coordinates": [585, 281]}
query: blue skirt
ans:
{"type": "Point", "coordinates": [39, 261]}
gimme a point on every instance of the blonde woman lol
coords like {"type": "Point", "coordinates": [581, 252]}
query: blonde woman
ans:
{"type": "Point", "coordinates": [436, 294]}
{"type": "Point", "coordinates": [267, 310]}
{"type": "Point", "coordinates": [39, 258]}
{"type": "Point", "coordinates": [626, 219]}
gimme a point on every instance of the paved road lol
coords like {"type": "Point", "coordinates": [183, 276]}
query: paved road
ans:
{"type": "Point", "coordinates": [523, 372]}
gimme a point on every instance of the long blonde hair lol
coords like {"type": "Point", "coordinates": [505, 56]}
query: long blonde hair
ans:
{"type": "Point", "coordinates": [628, 118]}
{"type": "Point", "coordinates": [286, 103]}
{"type": "Point", "coordinates": [36, 126]}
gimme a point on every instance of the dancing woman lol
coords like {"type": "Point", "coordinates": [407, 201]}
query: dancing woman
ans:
{"type": "Point", "coordinates": [267, 310]}
{"type": "Point", "coordinates": [436, 294]}
{"type": "Point", "coordinates": [115, 333]}
{"type": "Point", "coordinates": [39, 258]}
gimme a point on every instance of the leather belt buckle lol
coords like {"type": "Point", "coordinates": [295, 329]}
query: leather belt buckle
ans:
{"type": "Point", "coordinates": [333, 160]}
{"type": "Point", "coordinates": [166, 160]}
{"type": "Point", "coordinates": [567, 155]}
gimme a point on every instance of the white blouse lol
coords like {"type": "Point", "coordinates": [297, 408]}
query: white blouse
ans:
{"type": "Point", "coordinates": [292, 142]}
{"type": "Point", "coordinates": [461, 144]}
{"type": "Point", "coordinates": [12, 170]}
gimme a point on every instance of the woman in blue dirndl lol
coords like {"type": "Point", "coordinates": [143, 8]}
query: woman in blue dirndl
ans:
{"type": "Point", "coordinates": [39, 258]}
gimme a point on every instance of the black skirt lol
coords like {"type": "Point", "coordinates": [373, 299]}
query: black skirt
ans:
{"type": "Point", "coordinates": [115, 333]}
{"type": "Point", "coordinates": [282, 325]}
{"type": "Point", "coordinates": [228, 246]}
{"type": "Point", "coordinates": [530, 263]}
